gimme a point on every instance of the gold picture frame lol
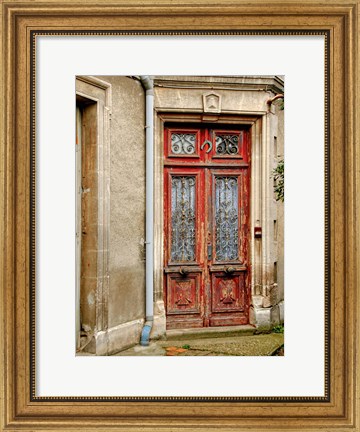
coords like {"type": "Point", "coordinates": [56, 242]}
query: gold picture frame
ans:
{"type": "Point", "coordinates": [20, 409]}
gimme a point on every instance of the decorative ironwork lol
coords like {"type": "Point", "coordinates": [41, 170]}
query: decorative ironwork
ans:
{"type": "Point", "coordinates": [183, 218]}
{"type": "Point", "coordinates": [207, 142]}
{"type": "Point", "coordinates": [183, 143]}
{"type": "Point", "coordinates": [226, 218]}
{"type": "Point", "coordinates": [227, 144]}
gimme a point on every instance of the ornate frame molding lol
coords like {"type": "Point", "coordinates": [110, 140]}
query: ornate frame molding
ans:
{"type": "Point", "coordinates": [20, 408]}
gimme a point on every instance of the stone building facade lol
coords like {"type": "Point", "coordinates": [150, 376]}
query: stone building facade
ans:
{"type": "Point", "coordinates": [214, 144]}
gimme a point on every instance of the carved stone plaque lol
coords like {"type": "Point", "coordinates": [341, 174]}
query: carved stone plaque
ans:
{"type": "Point", "coordinates": [212, 103]}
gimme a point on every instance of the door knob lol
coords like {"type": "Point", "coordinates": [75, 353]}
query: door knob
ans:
{"type": "Point", "coordinates": [183, 271]}
{"type": "Point", "coordinates": [229, 270]}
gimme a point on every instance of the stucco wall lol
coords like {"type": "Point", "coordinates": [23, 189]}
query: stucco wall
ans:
{"type": "Point", "coordinates": [127, 203]}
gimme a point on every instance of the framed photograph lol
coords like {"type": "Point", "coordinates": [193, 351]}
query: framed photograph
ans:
{"type": "Point", "coordinates": [180, 180]}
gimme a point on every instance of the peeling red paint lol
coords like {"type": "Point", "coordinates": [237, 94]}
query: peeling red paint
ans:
{"type": "Point", "coordinates": [214, 296]}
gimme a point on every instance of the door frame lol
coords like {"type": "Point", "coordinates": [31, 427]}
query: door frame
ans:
{"type": "Point", "coordinates": [258, 126]}
{"type": "Point", "coordinates": [91, 91]}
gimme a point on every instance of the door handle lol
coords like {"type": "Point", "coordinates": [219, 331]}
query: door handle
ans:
{"type": "Point", "coordinates": [184, 271]}
{"type": "Point", "coordinates": [229, 270]}
{"type": "Point", "coordinates": [218, 268]}
{"type": "Point", "coordinates": [203, 145]}
{"type": "Point", "coordinates": [209, 251]}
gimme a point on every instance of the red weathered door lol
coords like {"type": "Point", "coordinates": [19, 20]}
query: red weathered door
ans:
{"type": "Point", "coordinates": [206, 190]}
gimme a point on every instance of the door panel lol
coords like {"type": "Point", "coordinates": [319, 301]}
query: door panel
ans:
{"type": "Point", "coordinates": [228, 299]}
{"type": "Point", "coordinates": [184, 300]}
{"type": "Point", "coordinates": [183, 294]}
{"type": "Point", "coordinates": [228, 292]}
{"type": "Point", "coordinates": [206, 227]}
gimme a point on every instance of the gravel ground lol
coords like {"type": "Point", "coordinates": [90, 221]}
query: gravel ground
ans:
{"type": "Point", "coordinates": [257, 345]}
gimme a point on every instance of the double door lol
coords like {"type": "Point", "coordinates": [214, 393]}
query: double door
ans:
{"type": "Point", "coordinates": [206, 212]}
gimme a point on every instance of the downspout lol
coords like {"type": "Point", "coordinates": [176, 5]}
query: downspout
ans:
{"type": "Point", "coordinates": [276, 97]}
{"type": "Point", "coordinates": [148, 84]}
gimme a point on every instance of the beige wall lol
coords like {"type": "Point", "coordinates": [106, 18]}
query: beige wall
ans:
{"type": "Point", "coordinates": [127, 201]}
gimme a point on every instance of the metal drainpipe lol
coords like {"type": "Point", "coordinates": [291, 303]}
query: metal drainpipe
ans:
{"type": "Point", "coordinates": [148, 84]}
{"type": "Point", "coordinates": [278, 96]}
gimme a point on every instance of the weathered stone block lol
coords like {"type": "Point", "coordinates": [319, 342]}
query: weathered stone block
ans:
{"type": "Point", "coordinates": [281, 312]}
{"type": "Point", "coordinates": [158, 330]}
{"type": "Point", "coordinates": [274, 294]}
{"type": "Point", "coordinates": [263, 319]}
{"type": "Point", "coordinates": [124, 336]}
{"type": "Point", "coordinates": [257, 300]}
{"type": "Point", "coordinates": [275, 316]}
{"type": "Point", "coordinates": [266, 302]}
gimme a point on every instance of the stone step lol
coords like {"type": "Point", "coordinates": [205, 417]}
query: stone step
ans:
{"type": "Point", "coordinates": [210, 332]}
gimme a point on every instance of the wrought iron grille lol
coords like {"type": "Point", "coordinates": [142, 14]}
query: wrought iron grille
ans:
{"type": "Point", "coordinates": [227, 144]}
{"type": "Point", "coordinates": [183, 218]}
{"type": "Point", "coordinates": [183, 143]}
{"type": "Point", "coordinates": [226, 218]}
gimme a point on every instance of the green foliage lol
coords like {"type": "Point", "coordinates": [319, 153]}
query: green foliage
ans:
{"type": "Point", "coordinates": [278, 176]}
{"type": "Point", "coordinates": [186, 346]}
{"type": "Point", "coordinates": [278, 329]}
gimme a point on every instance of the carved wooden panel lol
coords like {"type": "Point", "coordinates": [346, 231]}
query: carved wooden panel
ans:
{"type": "Point", "coordinates": [228, 292]}
{"type": "Point", "coordinates": [183, 294]}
